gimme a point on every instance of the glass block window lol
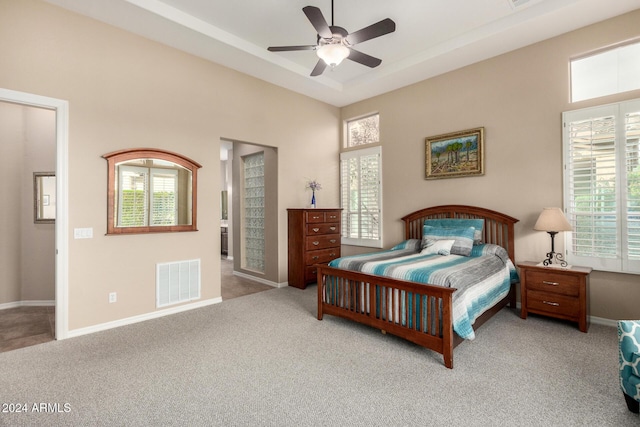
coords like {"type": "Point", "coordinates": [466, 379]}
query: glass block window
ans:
{"type": "Point", "coordinates": [253, 213]}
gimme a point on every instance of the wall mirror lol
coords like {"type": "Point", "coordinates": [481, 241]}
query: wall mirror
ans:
{"type": "Point", "coordinates": [44, 197]}
{"type": "Point", "coordinates": [150, 191]}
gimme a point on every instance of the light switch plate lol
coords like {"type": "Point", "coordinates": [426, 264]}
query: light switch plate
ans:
{"type": "Point", "coordinates": [83, 233]}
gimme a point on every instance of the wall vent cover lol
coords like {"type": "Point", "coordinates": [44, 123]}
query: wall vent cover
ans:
{"type": "Point", "coordinates": [177, 282]}
{"type": "Point", "coordinates": [517, 3]}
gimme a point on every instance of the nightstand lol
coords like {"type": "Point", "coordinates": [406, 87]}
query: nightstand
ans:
{"type": "Point", "coordinates": [555, 292]}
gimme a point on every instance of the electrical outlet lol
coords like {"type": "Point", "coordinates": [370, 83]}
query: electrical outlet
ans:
{"type": "Point", "coordinates": [113, 297]}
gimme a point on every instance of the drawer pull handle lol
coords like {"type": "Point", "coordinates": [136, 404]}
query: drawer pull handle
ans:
{"type": "Point", "coordinates": [550, 283]}
{"type": "Point", "coordinates": [315, 230]}
{"type": "Point", "coordinates": [316, 243]}
{"type": "Point", "coordinates": [332, 254]}
{"type": "Point", "coordinates": [333, 240]}
{"type": "Point", "coordinates": [316, 217]}
{"type": "Point", "coordinates": [315, 257]}
{"type": "Point", "coordinates": [555, 304]}
{"type": "Point", "coordinates": [332, 228]}
{"type": "Point", "coordinates": [332, 216]}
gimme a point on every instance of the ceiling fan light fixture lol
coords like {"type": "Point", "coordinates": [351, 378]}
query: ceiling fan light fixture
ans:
{"type": "Point", "coordinates": [333, 54]}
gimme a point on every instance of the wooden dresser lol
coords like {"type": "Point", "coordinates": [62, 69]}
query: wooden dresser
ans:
{"type": "Point", "coordinates": [555, 292]}
{"type": "Point", "coordinates": [314, 238]}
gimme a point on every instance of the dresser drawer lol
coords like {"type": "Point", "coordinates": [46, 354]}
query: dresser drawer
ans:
{"type": "Point", "coordinates": [553, 303]}
{"type": "Point", "coordinates": [327, 228]}
{"type": "Point", "coordinates": [556, 283]}
{"type": "Point", "coordinates": [332, 216]}
{"type": "Point", "coordinates": [322, 216]}
{"type": "Point", "coordinates": [322, 242]}
{"type": "Point", "coordinates": [322, 256]}
{"type": "Point", "coordinates": [314, 217]}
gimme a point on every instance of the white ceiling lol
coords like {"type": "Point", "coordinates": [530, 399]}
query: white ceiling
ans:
{"type": "Point", "coordinates": [431, 37]}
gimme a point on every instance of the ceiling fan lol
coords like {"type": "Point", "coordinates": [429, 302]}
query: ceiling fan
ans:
{"type": "Point", "coordinates": [334, 43]}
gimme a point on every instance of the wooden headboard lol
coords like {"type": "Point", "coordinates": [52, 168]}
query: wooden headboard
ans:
{"type": "Point", "coordinates": [498, 227]}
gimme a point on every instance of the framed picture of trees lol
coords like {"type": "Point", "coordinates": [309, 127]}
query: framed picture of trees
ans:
{"type": "Point", "coordinates": [455, 154]}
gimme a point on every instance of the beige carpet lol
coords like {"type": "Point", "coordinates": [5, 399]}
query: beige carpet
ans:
{"type": "Point", "coordinates": [265, 360]}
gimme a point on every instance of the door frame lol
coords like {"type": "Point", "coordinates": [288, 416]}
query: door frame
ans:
{"type": "Point", "coordinates": [61, 107]}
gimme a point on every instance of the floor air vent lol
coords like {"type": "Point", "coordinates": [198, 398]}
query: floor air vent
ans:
{"type": "Point", "coordinates": [177, 282]}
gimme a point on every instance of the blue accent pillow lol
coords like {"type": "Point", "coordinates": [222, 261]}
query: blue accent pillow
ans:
{"type": "Point", "coordinates": [477, 223]}
{"type": "Point", "coordinates": [463, 238]}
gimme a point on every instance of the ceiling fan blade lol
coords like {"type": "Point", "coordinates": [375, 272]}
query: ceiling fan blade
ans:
{"type": "Point", "coordinates": [378, 29]}
{"type": "Point", "coordinates": [288, 48]}
{"type": "Point", "coordinates": [319, 68]}
{"type": "Point", "coordinates": [363, 58]}
{"type": "Point", "coordinates": [317, 20]}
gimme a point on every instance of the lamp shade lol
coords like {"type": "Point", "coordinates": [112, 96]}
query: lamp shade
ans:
{"type": "Point", "coordinates": [552, 219]}
{"type": "Point", "coordinates": [333, 54]}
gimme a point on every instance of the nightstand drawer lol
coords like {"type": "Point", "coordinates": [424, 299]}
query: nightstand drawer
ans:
{"type": "Point", "coordinates": [555, 304]}
{"type": "Point", "coordinates": [322, 242]}
{"type": "Point", "coordinates": [330, 228]}
{"type": "Point", "coordinates": [322, 256]}
{"type": "Point", "coordinates": [553, 282]}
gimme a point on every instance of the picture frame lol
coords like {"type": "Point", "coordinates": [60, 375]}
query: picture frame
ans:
{"type": "Point", "coordinates": [455, 154]}
{"type": "Point", "coordinates": [44, 197]}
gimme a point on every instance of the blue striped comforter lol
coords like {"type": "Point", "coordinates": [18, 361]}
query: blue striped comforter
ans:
{"type": "Point", "coordinates": [481, 280]}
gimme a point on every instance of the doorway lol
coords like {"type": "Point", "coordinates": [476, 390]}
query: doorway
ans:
{"type": "Point", "coordinates": [60, 249]}
{"type": "Point", "coordinates": [238, 277]}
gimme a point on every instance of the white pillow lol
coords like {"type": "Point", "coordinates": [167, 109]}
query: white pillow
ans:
{"type": "Point", "coordinates": [440, 247]}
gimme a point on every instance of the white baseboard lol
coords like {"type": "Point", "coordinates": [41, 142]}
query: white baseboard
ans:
{"type": "Point", "coordinates": [141, 318]}
{"type": "Point", "coordinates": [263, 281]}
{"type": "Point", "coordinates": [32, 303]}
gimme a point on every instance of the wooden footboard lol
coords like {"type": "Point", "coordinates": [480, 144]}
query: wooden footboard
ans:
{"type": "Point", "coordinates": [425, 316]}
{"type": "Point", "coordinates": [418, 313]}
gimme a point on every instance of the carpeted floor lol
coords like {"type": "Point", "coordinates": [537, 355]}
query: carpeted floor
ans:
{"type": "Point", "coordinates": [264, 359]}
{"type": "Point", "coordinates": [25, 326]}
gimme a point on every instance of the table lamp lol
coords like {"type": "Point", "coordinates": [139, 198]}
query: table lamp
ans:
{"type": "Point", "coordinates": [552, 220]}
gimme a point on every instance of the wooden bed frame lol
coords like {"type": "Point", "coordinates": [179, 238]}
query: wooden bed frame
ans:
{"type": "Point", "coordinates": [348, 287]}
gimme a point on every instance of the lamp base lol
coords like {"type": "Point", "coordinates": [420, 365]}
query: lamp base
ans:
{"type": "Point", "coordinates": [554, 259]}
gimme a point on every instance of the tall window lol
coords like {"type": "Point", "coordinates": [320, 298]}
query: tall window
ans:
{"type": "Point", "coordinates": [361, 184]}
{"type": "Point", "coordinates": [602, 186]}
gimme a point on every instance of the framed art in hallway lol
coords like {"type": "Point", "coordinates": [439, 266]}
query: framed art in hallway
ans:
{"type": "Point", "coordinates": [455, 154]}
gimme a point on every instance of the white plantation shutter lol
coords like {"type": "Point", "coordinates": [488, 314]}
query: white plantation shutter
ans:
{"type": "Point", "coordinates": [632, 150]}
{"type": "Point", "coordinates": [361, 197]}
{"type": "Point", "coordinates": [133, 188]}
{"type": "Point", "coordinates": [602, 186]}
{"type": "Point", "coordinates": [164, 200]}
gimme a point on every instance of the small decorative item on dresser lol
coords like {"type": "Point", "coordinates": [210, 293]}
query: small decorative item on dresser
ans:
{"type": "Point", "coordinates": [314, 186]}
{"type": "Point", "coordinates": [555, 292]}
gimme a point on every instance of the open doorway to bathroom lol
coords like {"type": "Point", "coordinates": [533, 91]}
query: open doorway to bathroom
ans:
{"type": "Point", "coordinates": [28, 261]}
{"type": "Point", "coordinates": [248, 207]}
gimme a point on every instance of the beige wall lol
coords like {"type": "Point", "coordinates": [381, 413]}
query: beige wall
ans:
{"type": "Point", "coordinates": [125, 91]}
{"type": "Point", "coordinates": [518, 97]}
{"type": "Point", "coordinates": [27, 259]}
{"type": "Point", "coordinates": [11, 147]}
